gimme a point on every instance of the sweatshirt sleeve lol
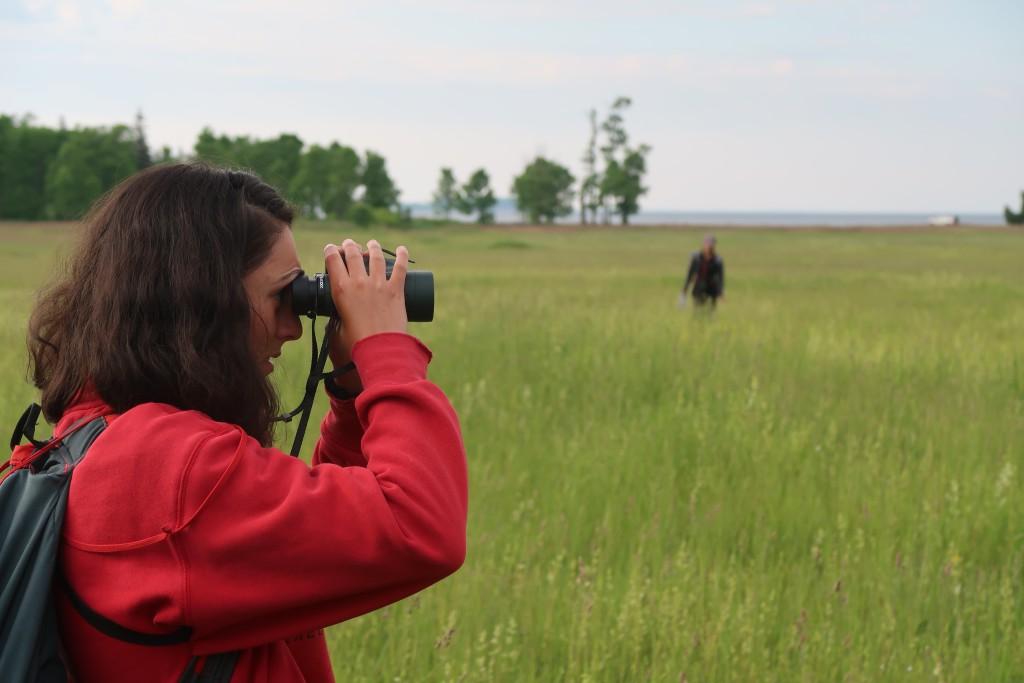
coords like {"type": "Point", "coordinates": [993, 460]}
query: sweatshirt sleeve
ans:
{"type": "Point", "coordinates": [341, 435]}
{"type": "Point", "coordinates": [272, 547]}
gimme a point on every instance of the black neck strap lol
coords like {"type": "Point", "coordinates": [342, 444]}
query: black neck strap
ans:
{"type": "Point", "coordinates": [316, 375]}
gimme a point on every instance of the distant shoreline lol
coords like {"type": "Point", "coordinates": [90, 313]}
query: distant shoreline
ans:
{"type": "Point", "coordinates": [505, 213]}
{"type": "Point", "coordinates": [705, 227]}
{"type": "Point", "coordinates": [16, 225]}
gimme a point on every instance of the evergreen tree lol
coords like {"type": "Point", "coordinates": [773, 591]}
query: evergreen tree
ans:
{"type": "Point", "coordinates": [142, 158]}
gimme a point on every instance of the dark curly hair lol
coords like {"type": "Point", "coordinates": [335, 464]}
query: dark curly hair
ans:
{"type": "Point", "coordinates": [151, 305]}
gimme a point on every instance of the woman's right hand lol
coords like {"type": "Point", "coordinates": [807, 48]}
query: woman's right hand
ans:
{"type": "Point", "coordinates": [367, 301]}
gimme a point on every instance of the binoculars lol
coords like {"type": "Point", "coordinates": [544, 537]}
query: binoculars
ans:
{"type": "Point", "coordinates": [311, 296]}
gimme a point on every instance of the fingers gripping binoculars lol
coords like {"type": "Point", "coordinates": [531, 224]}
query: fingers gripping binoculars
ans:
{"type": "Point", "coordinates": [311, 296]}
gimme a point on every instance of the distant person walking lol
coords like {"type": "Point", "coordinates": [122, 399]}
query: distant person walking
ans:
{"type": "Point", "coordinates": [706, 275]}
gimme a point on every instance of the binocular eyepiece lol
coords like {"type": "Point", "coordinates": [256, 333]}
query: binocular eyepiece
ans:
{"type": "Point", "coordinates": [311, 296]}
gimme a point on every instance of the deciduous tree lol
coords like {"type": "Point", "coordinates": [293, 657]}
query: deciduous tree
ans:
{"type": "Point", "coordinates": [1015, 218]}
{"type": "Point", "coordinates": [621, 183]}
{"type": "Point", "coordinates": [275, 160]}
{"type": "Point", "coordinates": [447, 194]}
{"type": "Point", "coordinates": [543, 191]}
{"type": "Point", "coordinates": [478, 198]}
{"type": "Point", "coordinates": [91, 161]}
{"type": "Point", "coordinates": [379, 189]}
{"type": "Point", "coordinates": [326, 181]}
{"type": "Point", "coordinates": [590, 187]}
{"type": "Point", "coordinates": [26, 153]}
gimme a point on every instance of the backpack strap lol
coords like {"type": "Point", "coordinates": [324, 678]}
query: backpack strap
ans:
{"type": "Point", "coordinates": [217, 668]}
{"type": "Point", "coordinates": [115, 630]}
{"type": "Point", "coordinates": [80, 436]}
{"type": "Point", "coordinates": [214, 669]}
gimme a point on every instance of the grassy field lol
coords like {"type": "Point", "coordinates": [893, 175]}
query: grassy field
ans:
{"type": "Point", "coordinates": [821, 482]}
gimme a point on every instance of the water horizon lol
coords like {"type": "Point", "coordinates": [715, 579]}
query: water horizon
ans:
{"type": "Point", "coordinates": [506, 213]}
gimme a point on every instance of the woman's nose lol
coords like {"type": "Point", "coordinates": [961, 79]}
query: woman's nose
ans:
{"type": "Point", "coordinates": [291, 326]}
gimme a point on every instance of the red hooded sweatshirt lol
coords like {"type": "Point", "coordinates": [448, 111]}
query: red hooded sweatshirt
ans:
{"type": "Point", "coordinates": [175, 519]}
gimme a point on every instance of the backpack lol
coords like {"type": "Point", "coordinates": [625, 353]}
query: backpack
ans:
{"type": "Point", "coordinates": [33, 498]}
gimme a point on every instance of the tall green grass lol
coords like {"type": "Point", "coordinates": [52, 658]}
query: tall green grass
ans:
{"type": "Point", "coordinates": [821, 481]}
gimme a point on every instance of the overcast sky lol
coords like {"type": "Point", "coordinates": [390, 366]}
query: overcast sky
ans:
{"type": "Point", "coordinates": [828, 105]}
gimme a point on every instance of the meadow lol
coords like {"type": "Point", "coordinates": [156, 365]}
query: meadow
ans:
{"type": "Point", "coordinates": [820, 482]}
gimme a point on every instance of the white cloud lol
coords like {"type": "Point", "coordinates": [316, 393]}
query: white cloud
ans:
{"type": "Point", "coordinates": [757, 9]}
{"type": "Point", "coordinates": [325, 43]}
{"type": "Point", "coordinates": [65, 13]}
{"type": "Point", "coordinates": [68, 12]}
{"type": "Point", "coordinates": [996, 92]}
{"type": "Point", "coordinates": [36, 6]}
{"type": "Point", "coordinates": [869, 81]}
{"type": "Point", "coordinates": [125, 7]}
{"type": "Point", "coordinates": [443, 65]}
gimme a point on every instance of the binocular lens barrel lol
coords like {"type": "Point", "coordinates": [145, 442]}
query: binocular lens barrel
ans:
{"type": "Point", "coordinates": [312, 295]}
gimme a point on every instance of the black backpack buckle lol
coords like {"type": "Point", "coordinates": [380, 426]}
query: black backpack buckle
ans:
{"type": "Point", "coordinates": [27, 427]}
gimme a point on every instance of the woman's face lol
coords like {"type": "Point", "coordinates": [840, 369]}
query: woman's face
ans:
{"type": "Point", "coordinates": [269, 288]}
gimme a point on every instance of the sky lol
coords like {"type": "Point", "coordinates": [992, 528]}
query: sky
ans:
{"type": "Point", "coordinates": [776, 105]}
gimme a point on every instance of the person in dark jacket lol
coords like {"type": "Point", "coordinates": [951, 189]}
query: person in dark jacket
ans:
{"type": "Point", "coordinates": [706, 275]}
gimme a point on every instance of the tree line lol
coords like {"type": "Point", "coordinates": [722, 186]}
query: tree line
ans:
{"type": "Point", "coordinates": [57, 173]}
{"type": "Point", "coordinates": [48, 173]}
{"type": "Point", "coordinates": [331, 181]}
{"type": "Point", "coordinates": [612, 181]}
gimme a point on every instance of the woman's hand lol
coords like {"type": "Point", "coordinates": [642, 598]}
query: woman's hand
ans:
{"type": "Point", "coordinates": [367, 301]}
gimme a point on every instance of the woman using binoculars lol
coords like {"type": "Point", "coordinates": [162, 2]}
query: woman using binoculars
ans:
{"type": "Point", "coordinates": [182, 517]}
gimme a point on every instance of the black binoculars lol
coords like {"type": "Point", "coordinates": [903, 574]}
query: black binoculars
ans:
{"type": "Point", "coordinates": [311, 296]}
